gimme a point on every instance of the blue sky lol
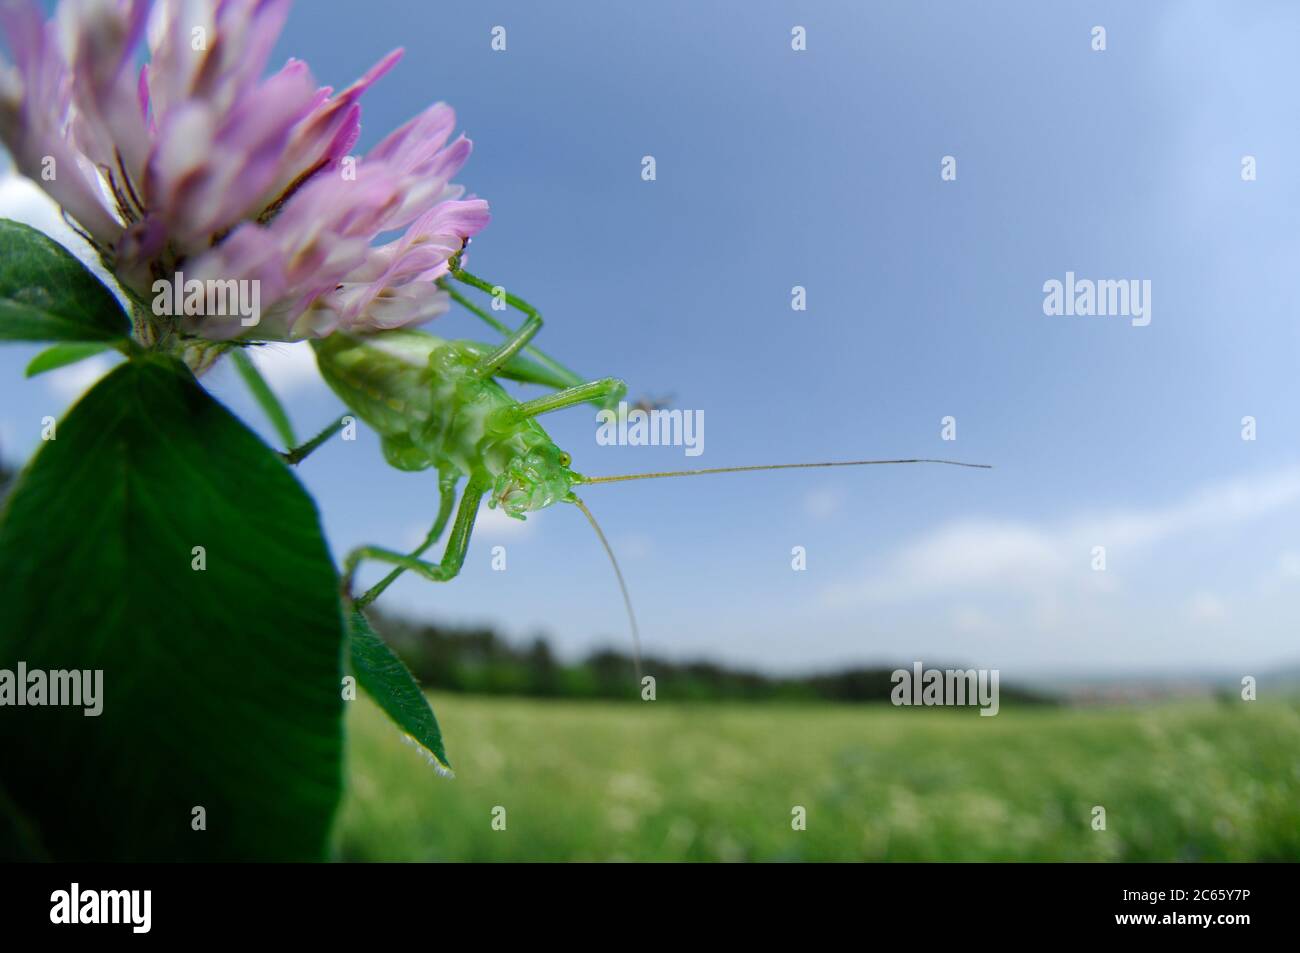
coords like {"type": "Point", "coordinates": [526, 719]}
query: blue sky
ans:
{"type": "Point", "coordinates": [821, 168]}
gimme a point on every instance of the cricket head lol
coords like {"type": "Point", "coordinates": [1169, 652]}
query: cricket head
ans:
{"type": "Point", "coordinates": [534, 480]}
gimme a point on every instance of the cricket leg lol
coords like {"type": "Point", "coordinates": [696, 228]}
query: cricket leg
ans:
{"type": "Point", "coordinates": [298, 454]}
{"type": "Point", "coordinates": [453, 557]}
{"type": "Point", "coordinates": [603, 390]}
{"type": "Point", "coordinates": [489, 365]}
{"type": "Point", "coordinates": [557, 375]}
{"type": "Point", "coordinates": [520, 340]}
{"type": "Point", "coordinates": [447, 485]}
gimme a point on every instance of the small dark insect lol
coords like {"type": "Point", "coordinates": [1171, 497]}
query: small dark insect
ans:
{"type": "Point", "coordinates": [648, 403]}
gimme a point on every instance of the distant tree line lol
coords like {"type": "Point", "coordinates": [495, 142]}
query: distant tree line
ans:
{"type": "Point", "coordinates": [477, 660]}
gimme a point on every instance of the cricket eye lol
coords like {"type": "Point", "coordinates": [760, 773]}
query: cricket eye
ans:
{"type": "Point", "coordinates": [565, 459]}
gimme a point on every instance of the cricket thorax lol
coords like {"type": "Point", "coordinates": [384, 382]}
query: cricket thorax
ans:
{"type": "Point", "coordinates": [528, 471]}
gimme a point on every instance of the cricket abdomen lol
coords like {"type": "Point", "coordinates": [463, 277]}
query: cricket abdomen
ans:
{"type": "Point", "coordinates": [387, 385]}
{"type": "Point", "coordinates": [417, 392]}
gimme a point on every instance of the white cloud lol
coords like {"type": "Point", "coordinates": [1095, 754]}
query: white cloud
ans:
{"type": "Point", "coordinates": [289, 369]}
{"type": "Point", "coordinates": [1000, 556]}
{"type": "Point", "coordinates": [634, 546]}
{"type": "Point", "coordinates": [1206, 608]}
{"type": "Point", "coordinates": [69, 383]}
{"type": "Point", "coordinates": [493, 523]}
{"type": "Point", "coordinates": [490, 524]}
{"type": "Point", "coordinates": [823, 502]}
{"type": "Point", "coordinates": [1284, 575]}
{"type": "Point", "coordinates": [971, 621]}
{"type": "Point", "coordinates": [24, 201]}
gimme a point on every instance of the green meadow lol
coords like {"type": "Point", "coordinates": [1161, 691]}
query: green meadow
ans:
{"type": "Point", "coordinates": [718, 782]}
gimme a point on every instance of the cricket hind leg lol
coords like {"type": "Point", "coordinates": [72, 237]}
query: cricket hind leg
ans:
{"type": "Point", "coordinates": [447, 486]}
{"type": "Point", "coordinates": [453, 557]}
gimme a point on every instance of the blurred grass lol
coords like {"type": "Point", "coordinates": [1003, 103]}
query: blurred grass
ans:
{"type": "Point", "coordinates": [664, 781]}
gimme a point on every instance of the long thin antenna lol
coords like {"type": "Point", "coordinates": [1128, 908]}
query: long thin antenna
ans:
{"type": "Point", "coordinates": [627, 599]}
{"type": "Point", "coordinates": [775, 466]}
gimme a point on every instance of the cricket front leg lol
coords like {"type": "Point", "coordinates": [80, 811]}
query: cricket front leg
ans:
{"type": "Point", "coordinates": [557, 375]}
{"type": "Point", "coordinates": [600, 392]}
{"type": "Point", "coordinates": [516, 341]}
{"type": "Point", "coordinates": [453, 557]}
